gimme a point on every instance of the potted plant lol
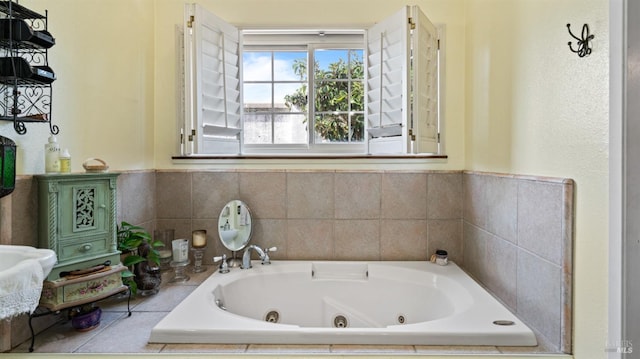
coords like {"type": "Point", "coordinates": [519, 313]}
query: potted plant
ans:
{"type": "Point", "coordinates": [141, 256]}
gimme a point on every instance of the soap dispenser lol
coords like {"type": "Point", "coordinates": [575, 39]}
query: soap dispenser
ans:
{"type": "Point", "coordinates": [51, 153]}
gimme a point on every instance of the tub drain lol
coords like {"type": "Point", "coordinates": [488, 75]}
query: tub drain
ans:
{"type": "Point", "coordinates": [503, 322]}
{"type": "Point", "coordinates": [272, 317]}
{"type": "Point", "coordinates": [340, 321]}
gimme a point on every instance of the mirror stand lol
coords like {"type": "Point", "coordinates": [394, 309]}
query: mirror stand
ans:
{"type": "Point", "coordinates": [234, 261]}
{"type": "Point", "coordinates": [234, 229]}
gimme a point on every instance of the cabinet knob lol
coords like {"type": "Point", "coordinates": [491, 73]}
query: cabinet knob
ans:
{"type": "Point", "coordinates": [103, 206]}
{"type": "Point", "coordinates": [86, 247]}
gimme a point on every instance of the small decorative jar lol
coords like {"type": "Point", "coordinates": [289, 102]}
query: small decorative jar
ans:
{"type": "Point", "coordinates": [441, 257]}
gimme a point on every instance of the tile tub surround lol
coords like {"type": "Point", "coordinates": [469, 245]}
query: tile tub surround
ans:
{"type": "Point", "coordinates": [326, 215]}
{"type": "Point", "coordinates": [518, 242]}
{"type": "Point", "coordinates": [480, 218]}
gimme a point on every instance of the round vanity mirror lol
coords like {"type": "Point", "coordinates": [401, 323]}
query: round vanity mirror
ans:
{"type": "Point", "coordinates": [234, 225]}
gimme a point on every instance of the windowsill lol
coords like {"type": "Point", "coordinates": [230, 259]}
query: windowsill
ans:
{"type": "Point", "coordinates": [311, 162]}
{"type": "Point", "coordinates": [308, 157]}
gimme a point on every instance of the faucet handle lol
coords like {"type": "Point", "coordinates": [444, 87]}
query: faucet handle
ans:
{"type": "Point", "coordinates": [266, 259]}
{"type": "Point", "coordinates": [224, 266]}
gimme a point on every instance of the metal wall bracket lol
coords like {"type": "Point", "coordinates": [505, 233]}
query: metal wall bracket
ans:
{"type": "Point", "coordinates": [584, 49]}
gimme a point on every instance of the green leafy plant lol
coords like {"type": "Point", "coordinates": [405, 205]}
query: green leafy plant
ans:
{"type": "Point", "coordinates": [333, 97]}
{"type": "Point", "coordinates": [130, 238]}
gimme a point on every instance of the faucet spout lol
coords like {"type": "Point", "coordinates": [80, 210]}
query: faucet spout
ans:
{"type": "Point", "coordinates": [262, 253]}
{"type": "Point", "coordinates": [246, 256]}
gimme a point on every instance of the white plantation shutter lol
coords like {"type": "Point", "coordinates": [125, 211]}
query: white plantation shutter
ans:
{"type": "Point", "coordinates": [425, 70]}
{"type": "Point", "coordinates": [387, 97]}
{"type": "Point", "coordinates": [213, 99]}
{"type": "Point", "coordinates": [402, 90]}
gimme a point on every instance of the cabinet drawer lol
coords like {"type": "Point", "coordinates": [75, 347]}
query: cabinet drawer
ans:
{"type": "Point", "coordinates": [82, 249]}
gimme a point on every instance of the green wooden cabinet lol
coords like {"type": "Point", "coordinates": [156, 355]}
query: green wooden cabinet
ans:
{"type": "Point", "coordinates": [77, 219]}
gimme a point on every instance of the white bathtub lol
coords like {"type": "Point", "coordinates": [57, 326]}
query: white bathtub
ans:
{"type": "Point", "coordinates": [315, 302]}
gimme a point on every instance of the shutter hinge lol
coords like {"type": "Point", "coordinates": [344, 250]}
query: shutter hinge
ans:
{"type": "Point", "coordinates": [412, 24]}
{"type": "Point", "coordinates": [438, 44]}
{"type": "Point", "coordinates": [411, 135]}
{"type": "Point", "coordinates": [191, 20]}
{"type": "Point", "coordinates": [438, 137]}
{"type": "Point", "coordinates": [192, 135]}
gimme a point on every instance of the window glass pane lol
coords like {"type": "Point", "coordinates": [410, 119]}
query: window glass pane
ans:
{"type": "Point", "coordinates": [332, 64]}
{"type": "Point", "coordinates": [256, 66]}
{"type": "Point", "coordinates": [290, 129]}
{"type": "Point", "coordinates": [256, 97]}
{"type": "Point", "coordinates": [332, 128]}
{"type": "Point", "coordinates": [332, 96]}
{"type": "Point", "coordinates": [291, 96]}
{"type": "Point", "coordinates": [290, 66]}
{"type": "Point", "coordinates": [357, 127]}
{"type": "Point", "coordinates": [357, 96]}
{"type": "Point", "coordinates": [257, 128]}
{"type": "Point", "coordinates": [356, 65]}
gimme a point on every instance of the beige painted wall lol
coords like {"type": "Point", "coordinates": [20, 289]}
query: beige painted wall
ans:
{"type": "Point", "coordinates": [516, 99]}
{"type": "Point", "coordinates": [533, 107]}
{"type": "Point", "coordinates": [103, 96]}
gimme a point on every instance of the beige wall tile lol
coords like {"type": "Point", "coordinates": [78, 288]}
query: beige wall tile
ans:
{"type": "Point", "coordinates": [357, 240]}
{"type": "Point", "coordinates": [358, 195]}
{"type": "Point", "coordinates": [264, 193]}
{"type": "Point", "coordinates": [501, 269]}
{"type": "Point", "coordinates": [212, 191]}
{"type": "Point", "coordinates": [474, 251]}
{"type": "Point", "coordinates": [539, 295]}
{"type": "Point", "coordinates": [446, 234]}
{"type": "Point", "coordinates": [173, 195]}
{"type": "Point", "coordinates": [474, 199]}
{"type": "Point", "coordinates": [268, 233]}
{"type": "Point", "coordinates": [136, 197]}
{"type": "Point", "coordinates": [502, 207]}
{"type": "Point", "coordinates": [24, 212]}
{"type": "Point", "coordinates": [310, 239]}
{"type": "Point", "coordinates": [310, 195]}
{"type": "Point", "coordinates": [540, 215]}
{"type": "Point", "coordinates": [403, 240]}
{"type": "Point", "coordinates": [404, 195]}
{"type": "Point", "coordinates": [444, 196]}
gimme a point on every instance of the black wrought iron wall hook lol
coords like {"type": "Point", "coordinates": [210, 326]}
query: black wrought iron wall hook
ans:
{"type": "Point", "coordinates": [584, 48]}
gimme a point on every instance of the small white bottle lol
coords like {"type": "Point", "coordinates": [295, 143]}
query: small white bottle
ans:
{"type": "Point", "coordinates": [65, 161]}
{"type": "Point", "coordinates": [51, 155]}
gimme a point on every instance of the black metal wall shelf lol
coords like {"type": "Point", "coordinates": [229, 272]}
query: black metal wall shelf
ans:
{"type": "Point", "coordinates": [25, 75]}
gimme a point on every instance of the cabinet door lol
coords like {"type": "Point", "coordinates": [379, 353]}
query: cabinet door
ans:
{"type": "Point", "coordinates": [82, 209]}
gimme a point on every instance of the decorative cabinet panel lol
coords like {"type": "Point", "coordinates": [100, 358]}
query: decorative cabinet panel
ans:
{"type": "Point", "coordinates": [77, 219]}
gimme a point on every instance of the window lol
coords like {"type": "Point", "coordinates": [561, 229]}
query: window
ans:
{"type": "Point", "coordinates": [254, 92]}
{"type": "Point", "coordinates": [290, 107]}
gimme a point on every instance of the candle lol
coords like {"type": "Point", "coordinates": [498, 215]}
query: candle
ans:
{"type": "Point", "coordinates": [180, 249]}
{"type": "Point", "coordinates": [199, 238]}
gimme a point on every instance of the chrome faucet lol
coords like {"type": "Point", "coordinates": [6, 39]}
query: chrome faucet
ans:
{"type": "Point", "coordinates": [262, 253]}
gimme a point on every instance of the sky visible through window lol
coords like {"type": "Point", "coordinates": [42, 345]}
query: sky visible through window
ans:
{"type": "Point", "coordinates": [257, 67]}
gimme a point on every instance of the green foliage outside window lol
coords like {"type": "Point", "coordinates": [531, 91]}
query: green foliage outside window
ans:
{"type": "Point", "coordinates": [339, 117]}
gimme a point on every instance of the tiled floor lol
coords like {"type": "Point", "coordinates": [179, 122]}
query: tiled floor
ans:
{"type": "Point", "coordinates": [118, 333]}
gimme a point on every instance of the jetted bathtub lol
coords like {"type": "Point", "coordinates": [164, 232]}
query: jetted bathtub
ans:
{"type": "Point", "coordinates": [316, 302]}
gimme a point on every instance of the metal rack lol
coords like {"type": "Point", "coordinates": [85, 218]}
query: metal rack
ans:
{"type": "Point", "coordinates": [25, 75]}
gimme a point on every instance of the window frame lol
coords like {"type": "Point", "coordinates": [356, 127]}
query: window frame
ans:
{"type": "Point", "coordinates": [193, 133]}
{"type": "Point", "coordinates": [309, 41]}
